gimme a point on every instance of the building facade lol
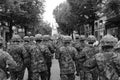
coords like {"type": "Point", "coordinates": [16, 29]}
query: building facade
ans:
{"type": "Point", "coordinates": [99, 27]}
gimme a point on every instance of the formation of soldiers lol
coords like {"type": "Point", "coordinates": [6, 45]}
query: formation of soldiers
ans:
{"type": "Point", "coordinates": [84, 57]}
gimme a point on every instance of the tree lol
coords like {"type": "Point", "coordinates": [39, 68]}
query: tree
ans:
{"type": "Point", "coordinates": [64, 18]}
{"type": "Point", "coordinates": [85, 12]}
{"type": "Point", "coordinates": [25, 13]}
{"type": "Point", "coordinates": [74, 14]}
{"type": "Point", "coordinates": [112, 7]}
{"type": "Point", "coordinates": [44, 28]}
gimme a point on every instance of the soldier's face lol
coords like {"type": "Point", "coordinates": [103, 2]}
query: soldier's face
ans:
{"type": "Point", "coordinates": [107, 48]}
{"type": "Point", "coordinates": [66, 43]}
{"type": "Point", "coordinates": [77, 39]}
{"type": "Point", "coordinates": [82, 41]}
{"type": "Point", "coordinates": [16, 42]}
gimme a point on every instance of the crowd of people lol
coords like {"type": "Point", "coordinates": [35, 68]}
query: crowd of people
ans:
{"type": "Point", "coordinates": [84, 57]}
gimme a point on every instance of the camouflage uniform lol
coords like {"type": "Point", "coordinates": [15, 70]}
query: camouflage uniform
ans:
{"type": "Point", "coordinates": [28, 56]}
{"type": "Point", "coordinates": [42, 67]}
{"type": "Point", "coordinates": [66, 57]}
{"type": "Point", "coordinates": [105, 60]}
{"type": "Point", "coordinates": [76, 44]}
{"type": "Point", "coordinates": [5, 59]}
{"type": "Point", "coordinates": [18, 52]}
{"type": "Point", "coordinates": [46, 41]}
{"type": "Point", "coordinates": [38, 64]}
{"type": "Point", "coordinates": [88, 52]}
{"type": "Point", "coordinates": [58, 44]}
{"type": "Point", "coordinates": [116, 61]}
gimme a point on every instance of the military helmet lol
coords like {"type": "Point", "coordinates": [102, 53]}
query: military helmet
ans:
{"type": "Point", "coordinates": [91, 38]}
{"type": "Point", "coordinates": [117, 46]}
{"type": "Point", "coordinates": [46, 37]}
{"type": "Point", "coordinates": [16, 37]}
{"type": "Point", "coordinates": [38, 37]}
{"type": "Point", "coordinates": [26, 38]}
{"type": "Point", "coordinates": [67, 39]}
{"type": "Point", "coordinates": [82, 37]}
{"type": "Point", "coordinates": [32, 38]}
{"type": "Point", "coordinates": [108, 40]}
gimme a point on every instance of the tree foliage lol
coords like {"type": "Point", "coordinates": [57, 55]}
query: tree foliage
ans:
{"type": "Point", "coordinates": [44, 28]}
{"type": "Point", "coordinates": [63, 17]}
{"type": "Point", "coordinates": [112, 7]}
{"type": "Point", "coordinates": [25, 13]}
{"type": "Point", "coordinates": [73, 14]}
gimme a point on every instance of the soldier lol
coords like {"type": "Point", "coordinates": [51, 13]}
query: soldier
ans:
{"type": "Point", "coordinates": [32, 39]}
{"type": "Point", "coordinates": [77, 45]}
{"type": "Point", "coordinates": [116, 61]}
{"type": "Point", "coordinates": [59, 43]}
{"type": "Point", "coordinates": [88, 52]}
{"type": "Point", "coordinates": [82, 45]}
{"type": "Point", "coordinates": [46, 41]}
{"type": "Point", "coordinates": [38, 64]}
{"type": "Point", "coordinates": [17, 51]}
{"type": "Point", "coordinates": [45, 52]}
{"type": "Point", "coordinates": [6, 62]}
{"type": "Point", "coordinates": [66, 57]}
{"type": "Point", "coordinates": [105, 60]}
{"type": "Point", "coordinates": [28, 56]}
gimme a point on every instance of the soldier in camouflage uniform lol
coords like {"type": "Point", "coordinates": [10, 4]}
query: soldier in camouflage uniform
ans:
{"type": "Point", "coordinates": [77, 45]}
{"type": "Point", "coordinates": [81, 59]}
{"type": "Point", "coordinates": [46, 41]}
{"type": "Point", "coordinates": [58, 44]}
{"type": "Point", "coordinates": [88, 52]}
{"type": "Point", "coordinates": [66, 57]}
{"type": "Point", "coordinates": [117, 60]}
{"type": "Point", "coordinates": [105, 60]}
{"type": "Point", "coordinates": [28, 55]}
{"type": "Point", "coordinates": [17, 51]}
{"type": "Point", "coordinates": [38, 63]}
{"type": "Point", "coordinates": [6, 62]}
{"type": "Point", "coordinates": [32, 40]}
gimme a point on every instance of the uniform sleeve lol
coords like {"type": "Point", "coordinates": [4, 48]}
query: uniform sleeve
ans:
{"type": "Point", "coordinates": [75, 54]}
{"type": "Point", "coordinates": [24, 54]}
{"type": "Point", "coordinates": [51, 48]}
{"type": "Point", "coordinates": [9, 61]}
{"type": "Point", "coordinates": [57, 54]}
{"type": "Point", "coordinates": [47, 52]}
{"type": "Point", "coordinates": [116, 64]}
{"type": "Point", "coordinates": [90, 63]}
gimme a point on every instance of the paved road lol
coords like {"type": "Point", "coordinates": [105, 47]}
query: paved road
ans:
{"type": "Point", "coordinates": [55, 71]}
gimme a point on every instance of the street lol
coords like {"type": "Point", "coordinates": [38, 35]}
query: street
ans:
{"type": "Point", "coordinates": [55, 71]}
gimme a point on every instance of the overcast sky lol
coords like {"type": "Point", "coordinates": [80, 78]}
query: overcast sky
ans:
{"type": "Point", "coordinates": [50, 5]}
